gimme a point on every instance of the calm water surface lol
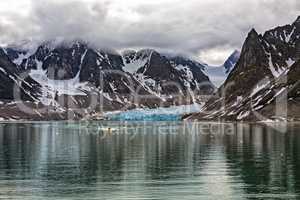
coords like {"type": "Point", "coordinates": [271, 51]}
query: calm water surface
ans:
{"type": "Point", "coordinates": [147, 161]}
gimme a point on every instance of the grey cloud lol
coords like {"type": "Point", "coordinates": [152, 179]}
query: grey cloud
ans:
{"type": "Point", "coordinates": [70, 20]}
{"type": "Point", "coordinates": [190, 26]}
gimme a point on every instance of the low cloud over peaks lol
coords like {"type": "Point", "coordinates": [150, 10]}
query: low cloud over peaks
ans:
{"type": "Point", "coordinates": [193, 27]}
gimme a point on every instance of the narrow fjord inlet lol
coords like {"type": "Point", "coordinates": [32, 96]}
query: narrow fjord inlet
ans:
{"type": "Point", "coordinates": [77, 161]}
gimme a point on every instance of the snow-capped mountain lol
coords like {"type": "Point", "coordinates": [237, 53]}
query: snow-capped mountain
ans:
{"type": "Point", "coordinates": [153, 69]}
{"type": "Point", "coordinates": [70, 74]}
{"type": "Point", "coordinates": [264, 81]}
{"type": "Point", "coordinates": [218, 74]}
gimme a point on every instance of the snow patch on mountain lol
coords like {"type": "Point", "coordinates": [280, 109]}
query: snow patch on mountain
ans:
{"type": "Point", "coordinates": [259, 87]}
{"type": "Point", "coordinates": [134, 65]}
{"type": "Point", "coordinates": [1, 69]}
{"type": "Point", "coordinates": [135, 60]}
{"type": "Point", "coordinates": [52, 88]}
{"type": "Point", "coordinates": [21, 57]}
{"type": "Point", "coordinates": [20, 52]}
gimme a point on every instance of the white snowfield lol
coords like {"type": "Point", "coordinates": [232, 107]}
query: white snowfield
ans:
{"type": "Point", "coordinates": [134, 65]}
{"type": "Point", "coordinates": [51, 88]}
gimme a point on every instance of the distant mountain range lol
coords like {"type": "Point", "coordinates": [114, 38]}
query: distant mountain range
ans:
{"type": "Point", "coordinates": [73, 80]}
{"type": "Point", "coordinates": [264, 85]}
{"type": "Point", "coordinates": [218, 74]}
{"type": "Point", "coordinates": [65, 77]}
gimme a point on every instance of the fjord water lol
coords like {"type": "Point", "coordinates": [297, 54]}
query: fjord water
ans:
{"type": "Point", "coordinates": [163, 160]}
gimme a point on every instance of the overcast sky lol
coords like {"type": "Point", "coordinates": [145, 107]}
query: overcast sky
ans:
{"type": "Point", "coordinates": [207, 29]}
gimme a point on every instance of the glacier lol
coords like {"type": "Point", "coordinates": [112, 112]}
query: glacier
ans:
{"type": "Point", "coordinates": [172, 113]}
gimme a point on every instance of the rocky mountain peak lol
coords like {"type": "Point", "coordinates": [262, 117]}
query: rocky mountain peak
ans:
{"type": "Point", "coordinates": [297, 20]}
{"type": "Point", "coordinates": [260, 75]}
{"type": "Point", "coordinates": [252, 52]}
{"type": "Point", "coordinates": [251, 40]}
{"type": "Point", "coordinates": [253, 33]}
{"type": "Point", "coordinates": [157, 65]}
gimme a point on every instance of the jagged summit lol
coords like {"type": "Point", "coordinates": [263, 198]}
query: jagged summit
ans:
{"type": "Point", "coordinates": [297, 20]}
{"type": "Point", "coordinates": [253, 33]}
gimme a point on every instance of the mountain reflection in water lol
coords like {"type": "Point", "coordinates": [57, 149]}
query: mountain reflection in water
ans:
{"type": "Point", "coordinates": [61, 160]}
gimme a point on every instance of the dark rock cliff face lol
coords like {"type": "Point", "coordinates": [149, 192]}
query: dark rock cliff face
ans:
{"type": "Point", "coordinates": [35, 61]}
{"type": "Point", "coordinates": [90, 68]}
{"type": "Point", "coordinates": [6, 84]}
{"type": "Point", "coordinates": [192, 72]}
{"type": "Point", "coordinates": [63, 62]}
{"type": "Point", "coordinates": [250, 69]}
{"type": "Point", "coordinates": [281, 98]}
{"type": "Point", "coordinates": [12, 85]}
{"type": "Point", "coordinates": [264, 80]}
{"type": "Point", "coordinates": [159, 69]}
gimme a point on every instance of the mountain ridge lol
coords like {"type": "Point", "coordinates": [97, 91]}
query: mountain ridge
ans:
{"type": "Point", "coordinates": [262, 81]}
{"type": "Point", "coordinates": [73, 73]}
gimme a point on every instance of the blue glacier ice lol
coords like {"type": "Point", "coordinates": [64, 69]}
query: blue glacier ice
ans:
{"type": "Point", "coordinates": [173, 113]}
